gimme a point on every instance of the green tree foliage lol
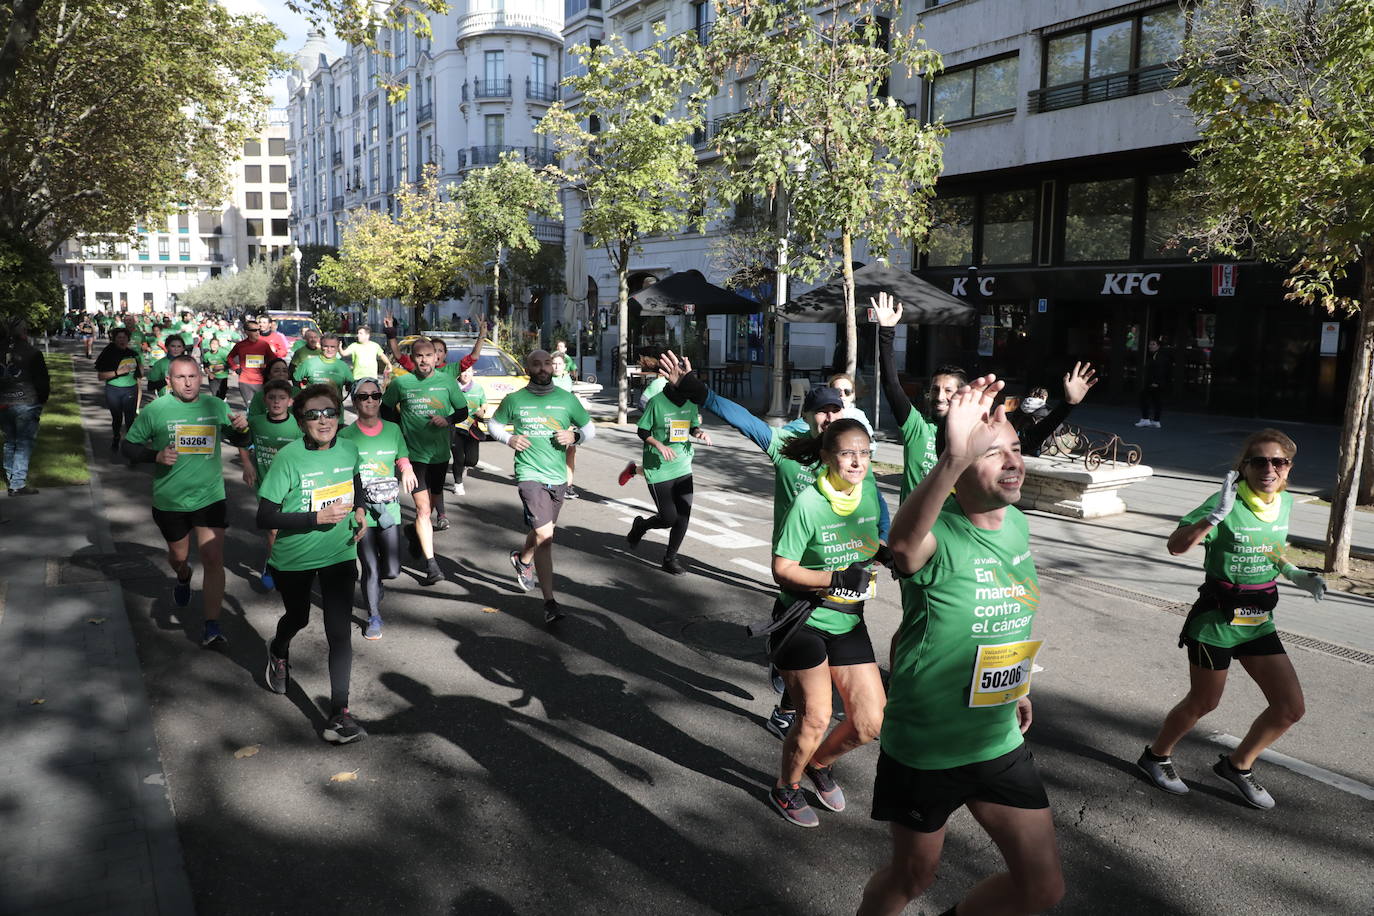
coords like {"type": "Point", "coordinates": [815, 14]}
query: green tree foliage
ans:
{"type": "Point", "coordinates": [1283, 95]}
{"type": "Point", "coordinates": [314, 296]}
{"type": "Point", "coordinates": [121, 110]}
{"type": "Point", "coordinates": [815, 122]}
{"type": "Point", "coordinates": [636, 172]}
{"type": "Point", "coordinates": [29, 287]}
{"type": "Point", "coordinates": [243, 289]}
{"type": "Point", "coordinates": [416, 257]}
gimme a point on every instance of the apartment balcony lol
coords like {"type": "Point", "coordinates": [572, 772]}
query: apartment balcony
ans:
{"type": "Point", "coordinates": [291, 183]}
{"type": "Point", "coordinates": [489, 155]}
{"type": "Point", "coordinates": [424, 113]}
{"type": "Point", "coordinates": [1102, 88]}
{"type": "Point", "coordinates": [539, 156]}
{"type": "Point", "coordinates": [336, 202]}
{"type": "Point", "coordinates": [541, 92]}
{"type": "Point", "coordinates": [213, 257]}
{"type": "Point", "coordinates": [547, 231]}
{"type": "Point", "coordinates": [336, 159]}
{"type": "Point", "coordinates": [489, 89]}
{"type": "Point", "coordinates": [509, 21]}
{"type": "Point", "coordinates": [703, 30]}
{"type": "Point", "coordinates": [709, 129]}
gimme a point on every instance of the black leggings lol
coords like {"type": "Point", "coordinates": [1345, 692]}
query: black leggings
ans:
{"type": "Point", "coordinates": [1149, 403]}
{"type": "Point", "coordinates": [220, 386]}
{"type": "Point", "coordinates": [379, 552]}
{"type": "Point", "coordinates": [673, 499]}
{"type": "Point", "coordinates": [336, 594]}
{"type": "Point", "coordinates": [465, 454]}
{"type": "Point", "coordinates": [123, 407]}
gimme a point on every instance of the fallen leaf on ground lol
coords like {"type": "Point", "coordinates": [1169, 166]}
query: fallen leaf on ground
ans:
{"type": "Point", "coordinates": [345, 777]}
{"type": "Point", "coordinates": [248, 751]}
{"type": "Point", "coordinates": [97, 620]}
{"type": "Point", "coordinates": [489, 610]}
{"type": "Point", "coordinates": [37, 701]}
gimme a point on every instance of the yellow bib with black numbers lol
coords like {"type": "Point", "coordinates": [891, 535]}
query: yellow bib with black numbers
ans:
{"type": "Point", "coordinates": [337, 494]}
{"type": "Point", "coordinates": [194, 439]}
{"type": "Point", "coordinates": [677, 430]}
{"type": "Point", "coordinates": [1249, 617]}
{"type": "Point", "coordinates": [1002, 673]}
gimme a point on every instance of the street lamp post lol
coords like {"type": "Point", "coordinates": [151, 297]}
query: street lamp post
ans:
{"type": "Point", "coordinates": [297, 257]}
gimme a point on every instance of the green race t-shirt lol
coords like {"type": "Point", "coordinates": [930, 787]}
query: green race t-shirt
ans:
{"type": "Point", "coordinates": [964, 652]}
{"type": "Point", "coordinates": [270, 437]}
{"type": "Point", "coordinates": [477, 399]}
{"type": "Point", "coordinates": [419, 399]}
{"type": "Point", "coordinates": [296, 348]}
{"type": "Point", "coordinates": [1245, 550]}
{"type": "Point", "coordinates": [918, 450]}
{"type": "Point", "coordinates": [316, 367]}
{"type": "Point", "coordinates": [378, 455]}
{"type": "Point", "coordinates": [128, 361]}
{"type": "Point", "coordinates": [671, 425]}
{"type": "Point", "coordinates": [789, 478]}
{"type": "Point", "coordinates": [366, 357]}
{"type": "Point", "coordinates": [653, 389]}
{"type": "Point", "coordinates": [157, 372]}
{"type": "Point", "coordinates": [538, 418]}
{"type": "Point", "coordinates": [563, 381]}
{"type": "Point", "coordinates": [196, 480]}
{"type": "Point", "coordinates": [307, 480]}
{"type": "Point", "coordinates": [818, 537]}
{"type": "Point", "coordinates": [214, 364]}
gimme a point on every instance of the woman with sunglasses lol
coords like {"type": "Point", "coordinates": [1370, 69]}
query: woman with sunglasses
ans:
{"type": "Point", "coordinates": [1243, 530]}
{"type": "Point", "coordinates": [313, 496]}
{"type": "Point", "coordinates": [382, 447]}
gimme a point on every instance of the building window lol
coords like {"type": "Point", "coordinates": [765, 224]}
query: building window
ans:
{"type": "Point", "coordinates": [1112, 60]}
{"type": "Point", "coordinates": [374, 183]}
{"type": "Point", "coordinates": [973, 92]}
{"type": "Point", "coordinates": [493, 66]}
{"type": "Point", "coordinates": [252, 174]}
{"type": "Point", "coordinates": [276, 174]}
{"type": "Point", "coordinates": [184, 249]}
{"type": "Point", "coordinates": [495, 130]}
{"type": "Point", "coordinates": [279, 227]}
{"type": "Point", "coordinates": [372, 121]}
{"type": "Point", "coordinates": [1008, 227]}
{"type": "Point", "coordinates": [539, 70]}
{"type": "Point", "coordinates": [253, 226]}
{"type": "Point", "coordinates": [403, 108]}
{"type": "Point", "coordinates": [252, 200]}
{"type": "Point", "coordinates": [252, 147]}
{"type": "Point", "coordinates": [951, 232]}
{"type": "Point", "coordinates": [278, 200]}
{"type": "Point", "coordinates": [401, 47]}
{"type": "Point", "coordinates": [1165, 215]}
{"type": "Point", "coordinates": [164, 248]}
{"type": "Point", "coordinates": [402, 159]}
{"type": "Point", "coordinates": [571, 7]}
{"type": "Point", "coordinates": [252, 253]}
{"type": "Point", "coordinates": [1097, 220]}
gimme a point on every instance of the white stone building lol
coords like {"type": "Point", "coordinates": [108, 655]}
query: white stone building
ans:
{"type": "Point", "coordinates": [175, 254]}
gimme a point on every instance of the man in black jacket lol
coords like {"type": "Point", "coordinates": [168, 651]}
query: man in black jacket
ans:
{"type": "Point", "coordinates": [1159, 369]}
{"type": "Point", "coordinates": [23, 392]}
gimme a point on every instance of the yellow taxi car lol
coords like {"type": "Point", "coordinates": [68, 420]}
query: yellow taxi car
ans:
{"type": "Point", "coordinates": [497, 371]}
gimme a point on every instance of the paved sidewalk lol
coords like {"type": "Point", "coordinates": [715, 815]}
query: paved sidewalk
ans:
{"type": "Point", "coordinates": [86, 824]}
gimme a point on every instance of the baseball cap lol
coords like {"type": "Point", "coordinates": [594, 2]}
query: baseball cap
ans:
{"type": "Point", "coordinates": [821, 396]}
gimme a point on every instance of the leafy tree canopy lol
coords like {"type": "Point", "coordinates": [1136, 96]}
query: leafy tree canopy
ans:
{"type": "Point", "coordinates": [29, 287]}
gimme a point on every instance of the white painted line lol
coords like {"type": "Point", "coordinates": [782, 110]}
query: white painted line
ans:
{"type": "Point", "coordinates": [1302, 767]}
{"type": "Point", "coordinates": [753, 567]}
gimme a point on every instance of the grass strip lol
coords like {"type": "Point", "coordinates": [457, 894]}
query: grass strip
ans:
{"type": "Point", "coordinates": [59, 457]}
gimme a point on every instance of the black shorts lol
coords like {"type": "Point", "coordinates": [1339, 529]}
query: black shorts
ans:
{"type": "Point", "coordinates": [1218, 658]}
{"type": "Point", "coordinates": [923, 800]}
{"type": "Point", "coordinates": [177, 525]}
{"type": "Point", "coordinates": [542, 501]}
{"type": "Point", "coordinates": [809, 647]}
{"type": "Point", "coordinates": [430, 476]}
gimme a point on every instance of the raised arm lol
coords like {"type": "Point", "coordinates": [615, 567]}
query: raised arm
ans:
{"type": "Point", "coordinates": [889, 312]}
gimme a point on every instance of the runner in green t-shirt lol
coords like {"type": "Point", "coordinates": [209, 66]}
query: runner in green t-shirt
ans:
{"type": "Point", "coordinates": [562, 379]}
{"type": "Point", "coordinates": [368, 358]}
{"type": "Point", "coordinates": [382, 448]}
{"type": "Point", "coordinates": [271, 431]}
{"type": "Point", "coordinates": [308, 344]}
{"type": "Point", "coordinates": [313, 497]}
{"type": "Point", "coordinates": [427, 404]}
{"type": "Point", "coordinates": [157, 372]}
{"type": "Point", "coordinates": [958, 701]}
{"type": "Point", "coordinates": [212, 359]}
{"type": "Point", "coordinates": [468, 435]}
{"type": "Point", "coordinates": [276, 369]}
{"type": "Point", "coordinates": [119, 366]}
{"type": "Point", "coordinates": [667, 430]}
{"type": "Point", "coordinates": [818, 640]}
{"type": "Point", "coordinates": [324, 366]}
{"type": "Point", "coordinates": [182, 433]}
{"type": "Point", "coordinates": [1244, 532]}
{"type": "Point", "coordinates": [544, 421]}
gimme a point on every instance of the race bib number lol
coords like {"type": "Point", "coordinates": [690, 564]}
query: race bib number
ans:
{"type": "Point", "coordinates": [677, 430]}
{"type": "Point", "coordinates": [1002, 674]}
{"type": "Point", "coordinates": [253, 361]}
{"type": "Point", "coordinates": [845, 596]}
{"type": "Point", "coordinates": [127, 365]}
{"type": "Point", "coordinates": [194, 439]}
{"type": "Point", "coordinates": [336, 494]}
{"type": "Point", "coordinates": [1249, 617]}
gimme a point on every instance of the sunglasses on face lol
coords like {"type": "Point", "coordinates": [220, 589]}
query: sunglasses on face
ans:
{"type": "Point", "coordinates": [845, 390]}
{"type": "Point", "coordinates": [1260, 461]}
{"type": "Point", "coordinates": [321, 413]}
{"type": "Point", "coordinates": [367, 396]}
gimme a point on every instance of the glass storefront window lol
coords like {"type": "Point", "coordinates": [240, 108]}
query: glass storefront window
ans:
{"type": "Point", "coordinates": [1008, 227]}
{"type": "Point", "coordinates": [1097, 220]}
{"type": "Point", "coordinates": [951, 232]}
{"type": "Point", "coordinates": [1165, 214]}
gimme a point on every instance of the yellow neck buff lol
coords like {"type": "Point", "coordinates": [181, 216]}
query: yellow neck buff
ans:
{"type": "Point", "coordinates": [1264, 505]}
{"type": "Point", "coordinates": [843, 501]}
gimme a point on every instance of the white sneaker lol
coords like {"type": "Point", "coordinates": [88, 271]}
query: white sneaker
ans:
{"type": "Point", "coordinates": [1155, 424]}
{"type": "Point", "coordinates": [1143, 423]}
{"type": "Point", "coordinates": [452, 488]}
{"type": "Point", "coordinates": [458, 490]}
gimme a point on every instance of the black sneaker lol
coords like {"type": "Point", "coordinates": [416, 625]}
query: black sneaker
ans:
{"type": "Point", "coordinates": [432, 574]}
{"type": "Point", "coordinates": [342, 728]}
{"type": "Point", "coordinates": [637, 529]}
{"type": "Point", "coordinates": [780, 722]}
{"type": "Point", "coordinates": [441, 523]}
{"type": "Point", "coordinates": [25, 490]}
{"type": "Point", "coordinates": [524, 572]}
{"type": "Point", "coordinates": [1162, 772]}
{"type": "Point", "coordinates": [278, 673]}
{"type": "Point", "coordinates": [1255, 795]}
{"type": "Point", "coordinates": [571, 493]}
{"type": "Point", "coordinates": [181, 592]}
{"type": "Point", "coordinates": [552, 611]}
{"type": "Point", "coordinates": [114, 446]}
{"type": "Point", "coordinates": [673, 567]}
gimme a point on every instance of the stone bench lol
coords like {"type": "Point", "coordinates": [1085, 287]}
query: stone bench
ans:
{"type": "Point", "coordinates": [1065, 487]}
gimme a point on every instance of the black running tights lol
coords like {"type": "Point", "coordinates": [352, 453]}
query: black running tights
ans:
{"type": "Point", "coordinates": [336, 593]}
{"type": "Point", "coordinates": [379, 552]}
{"type": "Point", "coordinates": [465, 453]}
{"type": "Point", "coordinates": [673, 500]}
{"type": "Point", "coordinates": [123, 407]}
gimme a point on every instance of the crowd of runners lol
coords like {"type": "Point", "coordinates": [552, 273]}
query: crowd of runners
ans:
{"type": "Point", "coordinates": [951, 720]}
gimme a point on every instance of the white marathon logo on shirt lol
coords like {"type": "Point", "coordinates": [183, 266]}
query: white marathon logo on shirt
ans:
{"type": "Point", "coordinates": [1001, 605]}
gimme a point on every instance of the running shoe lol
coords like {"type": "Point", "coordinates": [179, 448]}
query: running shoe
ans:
{"type": "Point", "coordinates": [524, 572]}
{"type": "Point", "coordinates": [673, 567]}
{"type": "Point", "coordinates": [1245, 782]}
{"type": "Point", "coordinates": [453, 488]}
{"type": "Point", "coordinates": [827, 790]}
{"type": "Point", "coordinates": [571, 493]}
{"type": "Point", "coordinates": [432, 574]}
{"type": "Point", "coordinates": [459, 490]}
{"type": "Point", "coordinates": [343, 728]}
{"type": "Point", "coordinates": [1155, 424]}
{"type": "Point", "coordinates": [552, 611]}
{"type": "Point", "coordinates": [212, 636]}
{"type": "Point", "coordinates": [268, 582]}
{"type": "Point", "coordinates": [114, 446]}
{"type": "Point", "coordinates": [25, 490]}
{"type": "Point", "coordinates": [637, 529]}
{"type": "Point", "coordinates": [791, 803]}
{"type": "Point", "coordinates": [278, 672]}
{"type": "Point", "coordinates": [1162, 773]}
{"type": "Point", "coordinates": [775, 679]}
{"type": "Point", "coordinates": [441, 523]}
{"type": "Point", "coordinates": [374, 628]}
{"type": "Point", "coordinates": [1143, 423]}
{"type": "Point", "coordinates": [780, 722]}
{"type": "Point", "coordinates": [627, 474]}
{"type": "Point", "coordinates": [181, 592]}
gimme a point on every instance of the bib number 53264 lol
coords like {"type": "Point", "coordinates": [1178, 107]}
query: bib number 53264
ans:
{"type": "Point", "coordinates": [1002, 673]}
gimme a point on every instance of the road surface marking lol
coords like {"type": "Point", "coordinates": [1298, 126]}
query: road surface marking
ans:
{"type": "Point", "coordinates": [717, 535]}
{"type": "Point", "coordinates": [753, 567]}
{"type": "Point", "coordinates": [1302, 767]}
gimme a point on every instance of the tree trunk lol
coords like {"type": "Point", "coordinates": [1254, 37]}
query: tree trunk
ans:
{"type": "Point", "coordinates": [851, 331]}
{"type": "Point", "coordinates": [1367, 464]}
{"type": "Point", "coordinates": [1354, 430]}
{"type": "Point", "coordinates": [622, 378]}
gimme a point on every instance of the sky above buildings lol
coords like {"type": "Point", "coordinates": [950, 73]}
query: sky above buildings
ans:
{"type": "Point", "coordinates": [293, 24]}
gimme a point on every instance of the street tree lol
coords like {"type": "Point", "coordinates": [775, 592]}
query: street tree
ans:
{"type": "Point", "coordinates": [123, 110]}
{"type": "Point", "coordinates": [624, 138]}
{"type": "Point", "coordinates": [281, 294]}
{"type": "Point", "coordinates": [246, 288]}
{"type": "Point", "coordinates": [29, 287]}
{"type": "Point", "coordinates": [415, 257]}
{"type": "Point", "coordinates": [816, 125]}
{"type": "Point", "coordinates": [1283, 97]}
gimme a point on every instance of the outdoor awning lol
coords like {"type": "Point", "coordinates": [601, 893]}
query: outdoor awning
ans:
{"type": "Point", "coordinates": [923, 303]}
{"type": "Point", "coordinates": [688, 293]}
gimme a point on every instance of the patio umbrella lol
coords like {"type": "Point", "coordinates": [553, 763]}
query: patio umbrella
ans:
{"type": "Point", "coordinates": [688, 293]}
{"type": "Point", "coordinates": [923, 302]}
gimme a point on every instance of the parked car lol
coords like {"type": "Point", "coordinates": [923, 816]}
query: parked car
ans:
{"type": "Point", "coordinates": [292, 324]}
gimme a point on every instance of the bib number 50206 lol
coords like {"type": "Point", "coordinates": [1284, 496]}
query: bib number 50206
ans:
{"type": "Point", "coordinates": [1002, 673]}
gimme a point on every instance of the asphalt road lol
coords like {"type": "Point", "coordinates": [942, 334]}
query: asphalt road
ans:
{"type": "Point", "coordinates": [617, 762]}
